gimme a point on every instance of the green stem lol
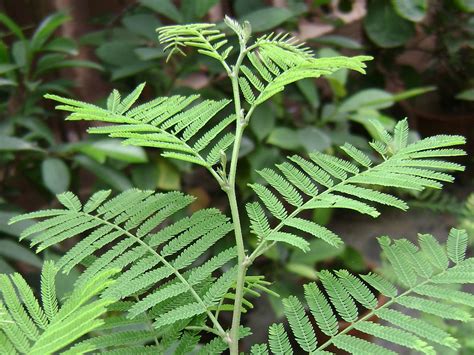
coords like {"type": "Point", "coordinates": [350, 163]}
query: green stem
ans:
{"type": "Point", "coordinates": [203, 328]}
{"type": "Point", "coordinates": [234, 209]}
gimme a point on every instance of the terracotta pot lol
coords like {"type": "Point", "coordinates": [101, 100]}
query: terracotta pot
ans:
{"type": "Point", "coordinates": [429, 119]}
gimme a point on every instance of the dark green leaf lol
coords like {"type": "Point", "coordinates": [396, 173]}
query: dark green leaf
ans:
{"type": "Point", "coordinates": [164, 7]}
{"type": "Point", "coordinates": [15, 144]}
{"type": "Point", "coordinates": [14, 251]}
{"type": "Point", "coordinates": [368, 98]}
{"type": "Point", "coordinates": [55, 174]}
{"type": "Point", "coordinates": [411, 10]}
{"type": "Point", "coordinates": [143, 25]}
{"type": "Point", "coordinates": [467, 95]}
{"type": "Point", "coordinates": [112, 177]}
{"type": "Point", "coordinates": [46, 29]}
{"type": "Point", "coordinates": [113, 148]}
{"type": "Point", "coordinates": [465, 5]}
{"type": "Point", "coordinates": [62, 45]}
{"type": "Point", "coordinates": [267, 18]}
{"type": "Point", "coordinates": [11, 25]}
{"type": "Point", "coordinates": [262, 121]}
{"type": "Point", "coordinates": [5, 68]}
{"type": "Point", "coordinates": [384, 27]}
{"type": "Point", "coordinates": [285, 138]}
{"type": "Point", "coordinates": [338, 41]}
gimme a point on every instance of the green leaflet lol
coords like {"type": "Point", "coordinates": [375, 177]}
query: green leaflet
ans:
{"type": "Point", "coordinates": [118, 234]}
{"type": "Point", "coordinates": [331, 182]}
{"type": "Point", "coordinates": [343, 289]}
{"type": "Point", "coordinates": [48, 328]}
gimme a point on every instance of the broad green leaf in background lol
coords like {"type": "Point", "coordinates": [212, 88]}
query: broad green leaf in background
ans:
{"type": "Point", "coordinates": [12, 229]}
{"type": "Point", "coordinates": [19, 53]}
{"type": "Point", "coordinates": [112, 148]}
{"type": "Point", "coordinates": [5, 68]}
{"type": "Point", "coordinates": [368, 98]}
{"type": "Point", "coordinates": [114, 178]}
{"type": "Point", "coordinates": [378, 99]}
{"type": "Point", "coordinates": [16, 144]}
{"type": "Point", "coordinates": [55, 174]}
{"type": "Point", "coordinates": [46, 29]}
{"type": "Point", "coordinates": [411, 10]}
{"type": "Point", "coordinates": [467, 95]}
{"type": "Point", "coordinates": [62, 45]}
{"type": "Point", "coordinates": [309, 91]}
{"type": "Point", "coordinates": [263, 121]}
{"type": "Point", "coordinates": [131, 69]}
{"type": "Point", "coordinates": [306, 271]}
{"type": "Point", "coordinates": [14, 251]}
{"type": "Point", "coordinates": [285, 138]}
{"type": "Point", "coordinates": [242, 7]}
{"type": "Point", "coordinates": [11, 25]}
{"type": "Point", "coordinates": [143, 24]}
{"type": "Point", "coordinates": [247, 145]}
{"type": "Point", "coordinates": [320, 251]}
{"type": "Point", "coordinates": [168, 176]}
{"type": "Point", "coordinates": [309, 138]}
{"type": "Point", "coordinates": [145, 177]}
{"type": "Point", "coordinates": [313, 139]}
{"type": "Point", "coordinates": [385, 27]}
{"type": "Point", "coordinates": [119, 53]}
{"type": "Point", "coordinates": [267, 18]}
{"type": "Point", "coordinates": [165, 8]}
{"type": "Point", "coordinates": [147, 53]}
{"type": "Point", "coordinates": [465, 5]}
{"type": "Point", "coordinates": [193, 10]}
{"type": "Point", "coordinates": [337, 41]}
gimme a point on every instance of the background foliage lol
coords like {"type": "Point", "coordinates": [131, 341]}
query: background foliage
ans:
{"type": "Point", "coordinates": [424, 60]}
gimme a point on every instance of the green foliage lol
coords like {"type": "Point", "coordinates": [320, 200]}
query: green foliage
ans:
{"type": "Point", "coordinates": [33, 328]}
{"type": "Point", "coordinates": [169, 278]}
{"type": "Point", "coordinates": [336, 299]}
{"type": "Point", "coordinates": [404, 165]}
{"type": "Point", "coordinates": [120, 235]}
{"type": "Point", "coordinates": [183, 131]}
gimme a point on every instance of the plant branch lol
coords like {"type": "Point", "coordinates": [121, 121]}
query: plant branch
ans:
{"type": "Point", "coordinates": [230, 190]}
{"type": "Point", "coordinates": [264, 246]}
{"type": "Point", "coordinates": [180, 277]}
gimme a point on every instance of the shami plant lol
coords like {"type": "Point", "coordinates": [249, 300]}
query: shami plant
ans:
{"type": "Point", "coordinates": [160, 290]}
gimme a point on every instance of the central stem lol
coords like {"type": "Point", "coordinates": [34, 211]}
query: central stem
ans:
{"type": "Point", "coordinates": [234, 209]}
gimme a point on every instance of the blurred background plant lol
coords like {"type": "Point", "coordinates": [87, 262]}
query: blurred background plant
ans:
{"type": "Point", "coordinates": [423, 69]}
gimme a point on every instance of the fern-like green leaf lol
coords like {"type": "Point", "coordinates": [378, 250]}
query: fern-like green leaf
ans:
{"type": "Point", "coordinates": [174, 124]}
{"type": "Point", "coordinates": [332, 182]}
{"type": "Point", "coordinates": [341, 289]}
{"type": "Point", "coordinates": [49, 328]}
{"type": "Point", "coordinates": [124, 235]}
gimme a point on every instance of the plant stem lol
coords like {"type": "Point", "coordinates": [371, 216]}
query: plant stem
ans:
{"type": "Point", "coordinates": [234, 209]}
